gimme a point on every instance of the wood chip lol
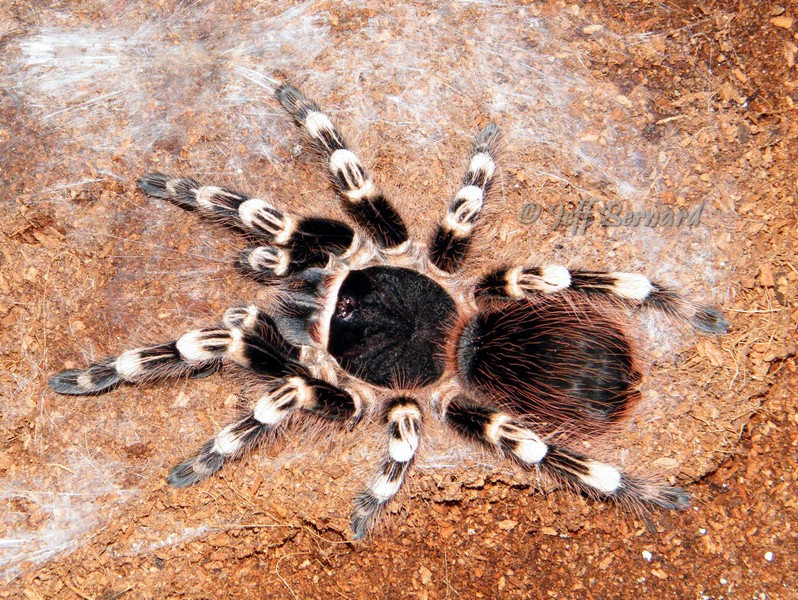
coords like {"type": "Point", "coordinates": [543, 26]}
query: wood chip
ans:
{"type": "Point", "coordinates": [782, 21]}
{"type": "Point", "coordinates": [766, 275]}
{"type": "Point", "coordinates": [659, 573]}
{"type": "Point", "coordinates": [507, 524]}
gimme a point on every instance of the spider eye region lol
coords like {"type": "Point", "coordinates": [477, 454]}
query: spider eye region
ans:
{"type": "Point", "coordinates": [389, 326]}
{"type": "Point", "coordinates": [344, 307]}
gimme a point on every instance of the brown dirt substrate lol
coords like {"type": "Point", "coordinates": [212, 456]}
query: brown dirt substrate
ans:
{"type": "Point", "coordinates": [691, 103]}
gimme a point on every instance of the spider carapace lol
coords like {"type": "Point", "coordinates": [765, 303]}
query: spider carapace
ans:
{"type": "Point", "coordinates": [525, 361]}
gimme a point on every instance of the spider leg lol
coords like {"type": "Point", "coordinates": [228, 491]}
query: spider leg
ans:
{"type": "Point", "coordinates": [267, 264]}
{"type": "Point", "coordinates": [248, 337]}
{"type": "Point", "coordinates": [403, 417]}
{"type": "Point", "coordinates": [501, 432]}
{"type": "Point", "coordinates": [370, 209]}
{"type": "Point", "coordinates": [633, 288]}
{"type": "Point", "coordinates": [285, 397]}
{"type": "Point", "coordinates": [450, 243]}
{"type": "Point", "coordinates": [306, 241]}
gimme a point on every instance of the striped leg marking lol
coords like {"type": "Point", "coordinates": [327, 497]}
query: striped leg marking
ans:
{"type": "Point", "coordinates": [450, 243]}
{"type": "Point", "coordinates": [403, 416]}
{"type": "Point", "coordinates": [248, 337]}
{"type": "Point", "coordinates": [498, 430]}
{"type": "Point", "coordinates": [270, 410]}
{"type": "Point", "coordinates": [362, 200]}
{"type": "Point", "coordinates": [305, 241]}
{"type": "Point", "coordinates": [520, 282]}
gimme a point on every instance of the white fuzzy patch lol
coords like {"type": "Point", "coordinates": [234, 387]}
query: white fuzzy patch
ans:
{"type": "Point", "coordinates": [531, 449]}
{"type": "Point", "coordinates": [493, 430]}
{"type": "Point", "coordinates": [226, 443]}
{"type": "Point", "coordinates": [482, 162]}
{"type": "Point", "coordinates": [251, 318]}
{"type": "Point", "coordinates": [402, 451]}
{"type": "Point", "coordinates": [383, 489]}
{"type": "Point", "coordinates": [84, 381]}
{"type": "Point", "coordinates": [206, 193]}
{"type": "Point", "coordinates": [304, 392]}
{"type": "Point", "coordinates": [258, 214]}
{"type": "Point", "coordinates": [459, 220]}
{"type": "Point", "coordinates": [632, 286]}
{"type": "Point", "coordinates": [267, 258]}
{"type": "Point", "coordinates": [268, 412]}
{"type": "Point", "coordinates": [316, 122]}
{"type": "Point", "coordinates": [513, 288]}
{"type": "Point", "coordinates": [191, 346]}
{"type": "Point", "coordinates": [552, 278]}
{"type": "Point", "coordinates": [236, 348]}
{"type": "Point", "coordinates": [128, 365]}
{"type": "Point", "coordinates": [347, 164]}
{"type": "Point", "coordinates": [603, 477]}
{"type": "Point", "coordinates": [555, 277]}
{"type": "Point", "coordinates": [472, 195]}
{"type": "Point", "coordinates": [171, 187]}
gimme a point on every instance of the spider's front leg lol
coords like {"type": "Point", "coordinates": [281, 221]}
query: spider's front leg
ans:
{"type": "Point", "coordinates": [295, 242]}
{"type": "Point", "coordinates": [449, 245]}
{"type": "Point", "coordinates": [516, 283]}
{"type": "Point", "coordinates": [403, 417]}
{"type": "Point", "coordinates": [247, 336]}
{"type": "Point", "coordinates": [512, 438]}
{"type": "Point", "coordinates": [285, 397]}
{"type": "Point", "coordinates": [362, 200]}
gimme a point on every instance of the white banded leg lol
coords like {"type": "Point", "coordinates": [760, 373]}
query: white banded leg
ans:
{"type": "Point", "coordinates": [307, 241]}
{"type": "Point", "coordinates": [284, 398]}
{"type": "Point", "coordinates": [520, 282]}
{"type": "Point", "coordinates": [362, 200]}
{"type": "Point", "coordinates": [500, 431]}
{"type": "Point", "coordinates": [403, 416]}
{"type": "Point", "coordinates": [450, 243]}
{"type": "Point", "coordinates": [248, 337]}
{"type": "Point", "coordinates": [265, 263]}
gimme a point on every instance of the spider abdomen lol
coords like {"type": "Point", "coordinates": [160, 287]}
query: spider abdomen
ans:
{"type": "Point", "coordinates": [554, 361]}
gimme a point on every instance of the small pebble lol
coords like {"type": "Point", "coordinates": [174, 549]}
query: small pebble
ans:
{"type": "Point", "coordinates": [647, 555]}
{"type": "Point", "coordinates": [769, 556]}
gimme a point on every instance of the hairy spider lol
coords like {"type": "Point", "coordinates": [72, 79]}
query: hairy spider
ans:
{"type": "Point", "coordinates": [525, 361]}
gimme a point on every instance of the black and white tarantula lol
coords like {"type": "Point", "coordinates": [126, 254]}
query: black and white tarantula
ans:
{"type": "Point", "coordinates": [525, 361]}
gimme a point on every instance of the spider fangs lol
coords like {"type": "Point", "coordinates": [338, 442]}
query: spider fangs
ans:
{"type": "Point", "coordinates": [526, 361]}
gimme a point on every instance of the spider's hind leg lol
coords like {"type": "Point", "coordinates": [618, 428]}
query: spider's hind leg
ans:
{"type": "Point", "coordinates": [503, 433]}
{"type": "Point", "coordinates": [403, 417]}
{"type": "Point", "coordinates": [284, 398]}
{"type": "Point", "coordinates": [449, 245]}
{"type": "Point", "coordinates": [516, 283]}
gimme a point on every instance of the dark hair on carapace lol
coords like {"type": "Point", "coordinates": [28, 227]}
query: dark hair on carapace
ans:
{"type": "Point", "coordinates": [389, 325]}
{"type": "Point", "coordinates": [554, 361]}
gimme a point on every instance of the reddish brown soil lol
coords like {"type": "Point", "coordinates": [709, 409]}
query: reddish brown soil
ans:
{"type": "Point", "coordinates": [90, 266]}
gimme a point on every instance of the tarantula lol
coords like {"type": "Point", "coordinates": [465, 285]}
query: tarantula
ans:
{"type": "Point", "coordinates": [525, 361]}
